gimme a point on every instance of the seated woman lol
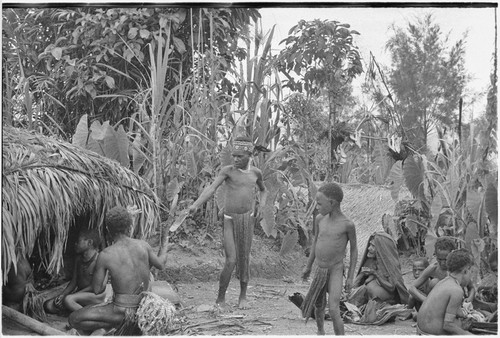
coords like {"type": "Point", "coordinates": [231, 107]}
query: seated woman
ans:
{"type": "Point", "coordinates": [379, 276]}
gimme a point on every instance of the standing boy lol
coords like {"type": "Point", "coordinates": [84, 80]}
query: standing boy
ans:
{"type": "Point", "coordinates": [78, 293]}
{"type": "Point", "coordinates": [438, 313]}
{"type": "Point", "coordinates": [332, 231]}
{"type": "Point", "coordinates": [128, 262]}
{"type": "Point", "coordinates": [240, 180]}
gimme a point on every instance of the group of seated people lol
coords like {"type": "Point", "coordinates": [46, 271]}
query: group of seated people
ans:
{"type": "Point", "coordinates": [380, 281]}
{"type": "Point", "coordinates": [92, 306]}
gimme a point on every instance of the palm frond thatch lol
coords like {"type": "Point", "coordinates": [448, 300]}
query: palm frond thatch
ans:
{"type": "Point", "coordinates": [46, 183]}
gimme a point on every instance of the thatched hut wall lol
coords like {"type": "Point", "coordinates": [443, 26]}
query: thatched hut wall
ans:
{"type": "Point", "coordinates": [365, 205]}
{"type": "Point", "coordinates": [46, 183]}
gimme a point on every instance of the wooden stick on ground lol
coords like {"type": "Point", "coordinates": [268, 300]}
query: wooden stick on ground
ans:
{"type": "Point", "coordinates": [30, 323]}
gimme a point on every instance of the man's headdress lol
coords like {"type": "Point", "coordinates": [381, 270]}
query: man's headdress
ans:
{"type": "Point", "coordinates": [243, 145]}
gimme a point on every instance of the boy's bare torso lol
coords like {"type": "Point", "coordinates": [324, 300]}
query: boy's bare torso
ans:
{"type": "Point", "coordinates": [84, 273]}
{"type": "Point", "coordinates": [240, 188]}
{"type": "Point", "coordinates": [332, 241]}
{"type": "Point", "coordinates": [128, 264]}
{"type": "Point", "coordinates": [431, 315]}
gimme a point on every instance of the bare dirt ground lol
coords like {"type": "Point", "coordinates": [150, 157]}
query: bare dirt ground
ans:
{"type": "Point", "coordinates": [194, 272]}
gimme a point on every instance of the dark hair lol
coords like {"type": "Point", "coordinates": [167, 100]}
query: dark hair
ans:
{"type": "Point", "coordinates": [332, 191]}
{"type": "Point", "coordinates": [458, 259]}
{"type": "Point", "coordinates": [445, 243]}
{"type": "Point", "coordinates": [92, 235]}
{"type": "Point", "coordinates": [118, 221]}
{"type": "Point", "coordinates": [423, 260]}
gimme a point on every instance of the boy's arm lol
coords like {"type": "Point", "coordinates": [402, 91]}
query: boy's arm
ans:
{"type": "Point", "coordinates": [353, 254]}
{"type": "Point", "coordinates": [413, 289]}
{"type": "Point", "coordinates": [312, 254]}
{"type": "Point", "coordinates": [71, 285]}
{"type": "Point", "coordinates": [451, 324]}
{"type": "Point", "coordinates": [210, 190]}
{"type": "Point", "coordinates": [100, 275]}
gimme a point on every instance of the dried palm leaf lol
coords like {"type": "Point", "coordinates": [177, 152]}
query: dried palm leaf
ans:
{"type": "Point", "coordinates": [46, 183]}
{"type": "Point", "coordinates": [33, 303]}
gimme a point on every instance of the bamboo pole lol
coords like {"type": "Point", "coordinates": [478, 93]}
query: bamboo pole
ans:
{"type": "Point", "coordinates": [30, 323]}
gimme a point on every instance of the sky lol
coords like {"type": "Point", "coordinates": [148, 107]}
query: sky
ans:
{"type": "Point", "coordinates": [373, 24]}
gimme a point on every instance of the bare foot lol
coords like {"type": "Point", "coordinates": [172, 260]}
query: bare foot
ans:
{"type": "Point", "coordinates": [99, 332]}
{"type": "Point", "coordinates": [72, 332]}
{"type": "Point", "coordinates": [321, 333]}
{"type": "Point", "coordinates": [243, 304]}
{"type": "Point", "coordinates": [221, 307]}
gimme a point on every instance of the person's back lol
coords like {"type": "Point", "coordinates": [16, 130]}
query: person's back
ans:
{"type": "Point", "coordinates": [431, 314]}
{"type": "Point", "coordinates": [128, 264]}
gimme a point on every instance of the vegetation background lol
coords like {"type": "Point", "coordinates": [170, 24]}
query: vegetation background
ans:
{"type": "Point", "coordinates": [163, 90]}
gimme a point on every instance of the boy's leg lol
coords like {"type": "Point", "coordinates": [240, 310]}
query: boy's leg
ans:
{"type": "Point", "coordinates": [230, 262]}
{"type": "Point", "coordinates": [319, 312]}
{"type": "Point", "coordinates": [335, 292]}
{"type": "Point", "coordinates": [77, 300]}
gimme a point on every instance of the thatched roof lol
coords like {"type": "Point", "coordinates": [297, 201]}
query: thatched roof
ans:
{"type": "Point", "coordinates": [46, 183]}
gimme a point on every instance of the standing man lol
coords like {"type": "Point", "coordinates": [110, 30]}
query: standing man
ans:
{"type": "Point", "coordinates": [128, 262]}
{"type": "Point", "coordinates": [240, 180]}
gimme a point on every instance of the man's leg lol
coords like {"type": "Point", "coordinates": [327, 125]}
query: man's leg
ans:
{"type": "Point", "coordinates": [91, 318]}
{"type": "Point", "coordinates": [230, 263]}
{"type": "Point", "coordinates": [243, 246]}
{"type": "Point", "coordinates": [335, 291]}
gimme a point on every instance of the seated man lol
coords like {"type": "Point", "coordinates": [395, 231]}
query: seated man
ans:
{"type": "Point", "coordinates": [486, 298]}
{"type": "Point", "coordinates": [436, 272]}
{"type": "Point", "coordinates": [419, 265]}
{"type": "Point", "coordinates": [379, 276]}
{"type": "Point", "coordinates": [128, 262]}
{"type": "Point", "coordinates": [78, 293]}
{"type": "Point", "coordinates": [438, 313]}
{"type": "Point", "coordinates": [18, 279]}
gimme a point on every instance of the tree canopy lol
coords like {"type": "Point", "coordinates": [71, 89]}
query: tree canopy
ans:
{"type": "Point", "coordinates": [427, 77]}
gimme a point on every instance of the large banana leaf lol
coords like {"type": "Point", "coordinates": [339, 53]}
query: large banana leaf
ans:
{"type": "Point", "coordinates": [414, 171]}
